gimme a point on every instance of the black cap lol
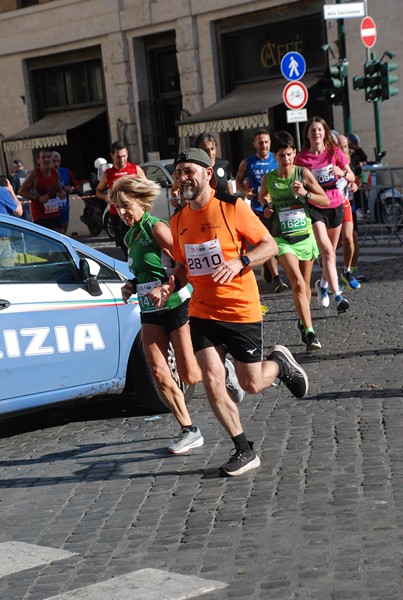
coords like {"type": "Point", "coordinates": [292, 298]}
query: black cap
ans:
{"type": "Point", "coordinates": [199, 157]}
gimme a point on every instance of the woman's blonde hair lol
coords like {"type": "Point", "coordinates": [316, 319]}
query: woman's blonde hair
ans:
{"type": "Point", "coordinates": [129, 189]}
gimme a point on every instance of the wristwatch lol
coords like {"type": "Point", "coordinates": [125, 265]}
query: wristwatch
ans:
{"type": "Point", "coordinates": [245, 260]}
{"type": "Point", "coordinates": [308, 196]}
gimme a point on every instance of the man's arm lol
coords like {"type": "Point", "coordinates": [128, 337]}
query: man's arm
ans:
{"type": "Point", "coordinates": [18, 211]}
{"type": "Point", "coordinates": [140, 173]}
{"type": "Point", "coordinates": [240, 178]}
{"type": "Point", "coordinates": [27, 190]}
{"type": "Point", "coordinates": [263, 250]}
{"type": "Point", "coordinates": [73, 187]}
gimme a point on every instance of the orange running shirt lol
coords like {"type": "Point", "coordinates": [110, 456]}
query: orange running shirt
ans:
{"type": "Point", "coordinates": [223, 228]}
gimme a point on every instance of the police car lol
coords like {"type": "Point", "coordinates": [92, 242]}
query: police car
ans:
{"type": "Point", "coordinates": [65, 332]}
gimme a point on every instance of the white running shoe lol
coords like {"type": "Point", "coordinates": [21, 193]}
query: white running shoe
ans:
{"type": "Point", "coordinates": [323, 295]}
{"type": "Point", "coordinates": [235, 391]}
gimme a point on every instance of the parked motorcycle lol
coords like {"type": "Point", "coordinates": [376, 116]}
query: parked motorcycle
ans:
{"type": "Point", "coordinates": [96, 211]}
{"type": "Point", "coordinates": [384, 199]}
{"type": "Point", "coordinates": [93, 214]}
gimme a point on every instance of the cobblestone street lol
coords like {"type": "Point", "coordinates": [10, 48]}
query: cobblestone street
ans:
{"type": "Point", "coordinates": [321, 519]}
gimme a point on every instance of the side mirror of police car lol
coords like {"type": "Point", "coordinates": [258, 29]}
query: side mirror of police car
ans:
{"type": "Point", "coordinates": [89, 270]}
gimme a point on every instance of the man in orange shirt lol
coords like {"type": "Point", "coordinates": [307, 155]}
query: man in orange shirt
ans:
{"type": "Point", "coordinates": [210, 238]}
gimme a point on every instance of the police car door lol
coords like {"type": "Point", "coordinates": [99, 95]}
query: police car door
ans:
{"type": "Point", "coordinates": [57, 341]}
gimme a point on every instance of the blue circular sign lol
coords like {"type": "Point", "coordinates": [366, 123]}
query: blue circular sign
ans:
{"type": "Point", "coordinates": [293, 66]}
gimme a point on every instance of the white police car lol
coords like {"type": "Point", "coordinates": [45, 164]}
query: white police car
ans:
{"type": "Point", "coordinates": [64, 330]}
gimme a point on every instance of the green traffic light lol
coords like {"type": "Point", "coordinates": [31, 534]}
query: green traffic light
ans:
{"type": "Point", "coordinates": [387, 79]}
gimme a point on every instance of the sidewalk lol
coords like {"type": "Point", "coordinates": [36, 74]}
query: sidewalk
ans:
{"type": "Point", "coordinates": [321, 519]}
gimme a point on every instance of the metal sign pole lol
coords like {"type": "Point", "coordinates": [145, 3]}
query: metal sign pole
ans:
{"type": "Point", "coordinates": [297, 137]}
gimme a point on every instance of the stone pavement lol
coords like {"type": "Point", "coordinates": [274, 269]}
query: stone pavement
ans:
{"type": "Point", "coordinates": [321, 519]}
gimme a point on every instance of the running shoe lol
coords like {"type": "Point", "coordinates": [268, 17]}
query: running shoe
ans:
{"type": "Point", "coordinates": [240, 462]}
{"type": "Point", "coordinates": [358, 275]}
{"type": "Point", "coordinates": [301, 329]}
{"type": "Point", "coordinates": [342, 304]}
{"type": "Point", "coordinates": [186, 440]}
{"type": "Point", "coordinates": [291, 374]}
{"type": "Point", "coordinates": [323, 295]}
{"type": "Point", "coordinates": [312, 342]}
{"type": "Point", "coordinates": [265, 273]}
{"type": "Point", "coordinates": [350, 281]}
{"type": "Point", "coordinates": [279, 285]}
{"type": "Point", "coordinates": [234, 390]}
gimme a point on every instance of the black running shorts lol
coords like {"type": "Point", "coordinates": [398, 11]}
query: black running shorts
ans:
{"type": "Point", "coordinates": [244, 341]}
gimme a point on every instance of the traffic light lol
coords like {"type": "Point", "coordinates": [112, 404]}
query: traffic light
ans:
{"type": "Point", "coordinates": [332, 83]}
{"type": "Point", "coordinates": [377, 81]}
{"type": "Point", "coordinates": [387, 79]}
{"type": "Point", "coordinates": [372, 73]}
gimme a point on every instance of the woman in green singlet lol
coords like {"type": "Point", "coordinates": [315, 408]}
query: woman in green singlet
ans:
{"type": "Point", "coordinates": [285, 194]}
{"type": "Point", "coordinates": [149, 243]}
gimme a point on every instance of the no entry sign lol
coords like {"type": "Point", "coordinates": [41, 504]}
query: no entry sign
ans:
{"type": "Point", "coordinates": [368, 32]}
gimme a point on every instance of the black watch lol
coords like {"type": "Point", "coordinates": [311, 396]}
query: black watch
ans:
{"type": "Point", "coordinates": [245, 260]}
{"type": "Point", "coordinates": [308, 196]}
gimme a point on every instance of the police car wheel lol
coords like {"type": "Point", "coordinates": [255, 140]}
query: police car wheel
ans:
{"type": "Point", "coordinates": [142, 383]}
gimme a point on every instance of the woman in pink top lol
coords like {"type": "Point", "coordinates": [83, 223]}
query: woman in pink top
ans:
{"type": "Point", "coordinates": [328, 164]}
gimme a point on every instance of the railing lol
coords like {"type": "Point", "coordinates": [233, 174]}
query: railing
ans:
{"type": "Point", "coordinates": [379, 204]}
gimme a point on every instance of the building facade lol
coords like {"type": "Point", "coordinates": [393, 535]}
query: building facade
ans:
{"type": "Point", "coordinates": [79, 74]}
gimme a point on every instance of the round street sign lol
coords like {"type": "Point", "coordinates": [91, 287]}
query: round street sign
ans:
{"type": "Point", "coordinates": [293, 66]}
{"type": "Point", "coordinates": [295, 95]}
{"type": "Point", "coordinates": [368, 32]}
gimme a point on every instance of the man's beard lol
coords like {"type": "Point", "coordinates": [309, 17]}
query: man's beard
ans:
{"type": "Point", "coordinates": [193, 191]}
{"type": "Point", "coordinates": [190, 193]}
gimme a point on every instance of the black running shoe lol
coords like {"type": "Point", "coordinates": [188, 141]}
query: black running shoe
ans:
{"type": "Point", "coordinates": [301, 329]}
{"type": "Point", "coordinates": [292, 374]}
{"type": "Point", "coordinates": [265, 273]}
{"type": "Point", "coordinates": [279, 285]}
{"type": "Point", "coordinates": [312, 342]}
{"type": "Point", "coordinates": [240, 462]}
{"type": "Point", "coordinates": [342, 305]}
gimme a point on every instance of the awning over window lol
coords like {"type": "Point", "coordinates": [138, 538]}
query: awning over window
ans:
{"type": "Point", "coordinates": [51, 130]}
{"type": "Point", "coordinates": [246, 107]}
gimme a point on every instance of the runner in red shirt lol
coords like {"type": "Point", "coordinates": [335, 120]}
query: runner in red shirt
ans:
{"type": "Point", "coordinates": [43, 188]}
{"type": "Point", "coordinates": [121, 167]}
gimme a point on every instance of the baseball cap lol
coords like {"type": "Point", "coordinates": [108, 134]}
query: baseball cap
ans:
{"type": "Point", "coordinates": [18, 163]}
{"type": "Point", "coordinates": [198, 157]}
{"type": "Point", "coordinates": [353, 138]}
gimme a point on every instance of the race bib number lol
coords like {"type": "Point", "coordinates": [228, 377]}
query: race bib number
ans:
{"type": "Point", "coordinates": [144, 302]}
{"type": "Point", "coordinates": [62, 202]}
{"type": "Point", "coordinates": [292, 221]}
{"type": "Point", "coordinates": [325, 176]}
{"type": "Point", "coordinates": [203, 258]}
{"type": "Point", "coordinates": [51, 206]}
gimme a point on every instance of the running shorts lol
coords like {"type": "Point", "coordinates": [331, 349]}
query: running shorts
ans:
{"type": "Point", "coordinates": [304, 250]}
{"type": "Point", "coordinates": [331, 217]}
{"type": "Point", "coordinates": [348, 213]}
{"type": "Point", "coordinates": [244, 341]}
{"type": "Point", "coordinates": [169, 319]}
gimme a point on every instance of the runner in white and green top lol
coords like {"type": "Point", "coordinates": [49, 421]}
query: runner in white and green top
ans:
{"type": "Point", "coordinates": [285, 195]}
{"type": "Point", "coordinates": [150, 264]}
